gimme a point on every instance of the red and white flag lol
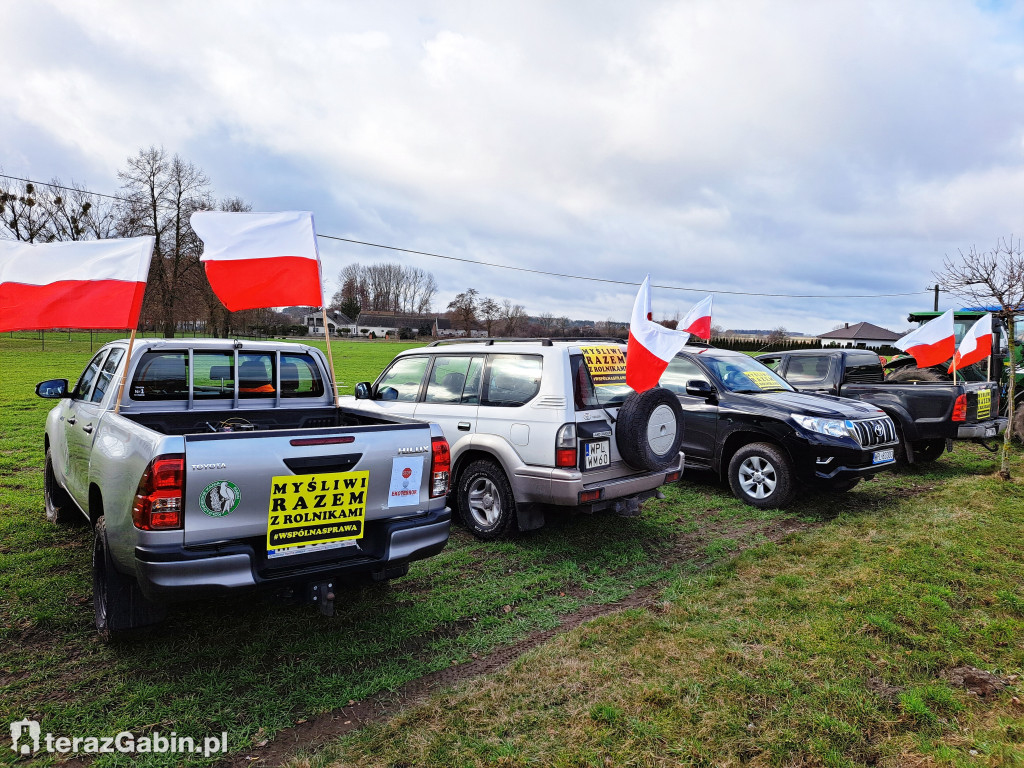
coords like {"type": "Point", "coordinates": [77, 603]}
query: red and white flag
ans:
{"type": "Point", "coordinates": [976, 345]}
{"type": "Point", "coordinates": [83, 284]}
{"type": "Point", "coordinates": [651, 346]}
{"type": "Point", "coordinates": [698, 320]}
{"type": "Point", "coordinates": [256, 260]}
{"type": "Point", "coordinates": [931, 344]}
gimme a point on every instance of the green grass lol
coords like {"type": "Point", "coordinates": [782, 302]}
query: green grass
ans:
{"type": "Point", "coordinates": [777, 657]}
{"type": "Point", "coordinates": [254, 667]}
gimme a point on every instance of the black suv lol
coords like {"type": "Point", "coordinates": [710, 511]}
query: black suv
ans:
{"type": "Point", "coordinates": [746, 423]}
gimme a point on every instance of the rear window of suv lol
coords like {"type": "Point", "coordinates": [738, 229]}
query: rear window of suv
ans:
{"type": "Point", "coordinates": [587, 395]}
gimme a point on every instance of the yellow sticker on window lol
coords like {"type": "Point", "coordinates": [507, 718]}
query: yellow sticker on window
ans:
{"type": "Point", "coordinates": [762, 379]}
{"type": "Point", "coordinates": [984, 404]}
{"type": "Point", "coordinates": [316, 509]}
{"type": "Point", "coordinates": [607, 365]}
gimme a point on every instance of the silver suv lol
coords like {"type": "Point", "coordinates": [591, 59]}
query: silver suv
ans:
{"type": "Point", "coordinates": [534, 422]}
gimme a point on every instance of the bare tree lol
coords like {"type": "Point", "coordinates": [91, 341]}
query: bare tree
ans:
{"type": "Point", "coordinates": [778, 336]}
{"type": "Point", "coordinates": [464, 308]}
{"type": "Point", "coordinates": [981, 277]}
{"type": "Point", "coordinates": [489, 311]}
{"type": "Point", "coordinates": [513, 317]}
{"type": "Point", "coordinates": [717, 331]}
{"type": "Point", "coordinates": [161, 192]}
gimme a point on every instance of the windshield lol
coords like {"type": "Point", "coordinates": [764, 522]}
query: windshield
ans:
{"type": "Point", "coordinates": [739, 373]}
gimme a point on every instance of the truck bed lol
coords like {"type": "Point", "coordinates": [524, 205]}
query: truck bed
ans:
{"type": "Point", "coordinates": [206, 422]}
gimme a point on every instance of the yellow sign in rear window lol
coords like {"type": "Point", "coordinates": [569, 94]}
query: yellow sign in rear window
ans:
{"type": "Point", "coordinates": [607, 365]}
{"type": "Point", "coordinates": [316, 509]}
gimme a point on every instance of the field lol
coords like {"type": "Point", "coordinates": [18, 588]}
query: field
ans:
{"type": "Point", "coordinates": [823, 636]}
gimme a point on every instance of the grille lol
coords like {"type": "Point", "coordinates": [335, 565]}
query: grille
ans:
{"type": "Point", "coordinates": [868, 431]}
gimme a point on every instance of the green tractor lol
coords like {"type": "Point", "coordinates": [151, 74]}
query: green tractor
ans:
{"type": "Point", "coordinates": [903, 368]}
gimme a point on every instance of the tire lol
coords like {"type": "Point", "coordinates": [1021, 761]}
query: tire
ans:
{"type": "Point", "coordinates": [909, 374]}
{"type": "Point", "coordinates": [843, 486]}
{"type": "Point", "coordinates": [485, 501]}
{"type": "Point", "coordinates": [57, 503]}
{"type": "Point", "coordinates": [649, 429]}
{"type": "Point", "coordinates": [117, 600]}
{"type": "Point", "coordinates": [929, 450]}
{"type": "Point", "coordinates": [761, 475]}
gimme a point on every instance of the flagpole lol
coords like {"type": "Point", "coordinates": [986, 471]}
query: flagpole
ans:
{"type": "Point", "coordinates": [124, 376]}
{"type": "Point", "coordinates": [330, 358]}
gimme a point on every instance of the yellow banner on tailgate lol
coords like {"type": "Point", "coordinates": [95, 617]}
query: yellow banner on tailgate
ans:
{"type": "Point", "coordinates": [316, 509]}
{"type": "Point", "coordinates": [607, 365]}
{"type": "Point", "coordinates": [984, 404]}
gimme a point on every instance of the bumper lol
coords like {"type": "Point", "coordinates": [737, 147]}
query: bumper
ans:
{"type": "Point", "coordinates": [562, 487]}
{"type": "Point", "coordinates": [825, 464]}
{"type": "Point", "coordinates": [171, 573]}
{"type": "Point", "coordinates": [982, 430]}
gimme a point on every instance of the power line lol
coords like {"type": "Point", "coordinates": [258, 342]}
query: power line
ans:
{"type": "Point", "coordinates": [540, 271]}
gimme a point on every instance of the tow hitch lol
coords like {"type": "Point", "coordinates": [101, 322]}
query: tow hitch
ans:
{"type": "Point", "coordinates": [322, 593]}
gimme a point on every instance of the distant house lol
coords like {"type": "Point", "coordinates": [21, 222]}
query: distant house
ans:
{"type": "Point", "coordinates": [860, 335]}
{"type": "Point", "coordinates": [382, 324]}
{"type": "Point", "coordinates": [443, 328]}
{"type": "Point", "coordinates": [314, 322]}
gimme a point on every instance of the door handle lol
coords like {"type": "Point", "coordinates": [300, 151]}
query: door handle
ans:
{"type": "Point", "coordinates": [71, 420]}
{"type": "Point", "coordinates": [87, 429]}
{"type": "Point", "coordinates": [465, 426]}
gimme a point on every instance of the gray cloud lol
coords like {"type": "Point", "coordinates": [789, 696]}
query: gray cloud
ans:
{"type": "Point", "coordinates": [767, 147]}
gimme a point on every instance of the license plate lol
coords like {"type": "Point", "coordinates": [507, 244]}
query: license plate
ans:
{"type": "Point", "coordinates": [882, 456]}
{"type": "Point", "coordinates": [990, 432]}
{"type": "Point", "coordinates": [596, 454]}
{"type": "Point", "coordinates": [309, 511]}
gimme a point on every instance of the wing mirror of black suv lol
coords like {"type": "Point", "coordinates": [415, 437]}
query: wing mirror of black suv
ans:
{"type": "Point", "coordinates": [699, 388]}
{"type": "Point", "coordinates": [364, 391]}
{"type": "Point", "coordinates": [53, 389]}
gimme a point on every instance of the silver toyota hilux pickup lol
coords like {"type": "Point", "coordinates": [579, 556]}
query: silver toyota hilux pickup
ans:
{"type": "Point", "coordinates": [227, 468]}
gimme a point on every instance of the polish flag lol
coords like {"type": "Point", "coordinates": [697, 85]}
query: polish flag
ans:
{"type": "Point", "coordinates": [931, 344]}
{"type": "Point", "coordinates": [698, 320]}
{"type": "Point", "coordinates": [976, 345]}
{"type": "Point", "coordinates": [256, 260]}
{"type": "Point", "coordinates": [83, 284]}
{"type": "Point", "coordinates": [651, 346]}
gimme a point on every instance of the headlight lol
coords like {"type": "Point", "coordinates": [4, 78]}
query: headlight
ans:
{"type": "Point", "coordinates": [830, 427]}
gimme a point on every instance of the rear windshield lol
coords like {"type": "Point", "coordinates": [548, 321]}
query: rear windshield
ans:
{"type": "Point", "coordinates": [587, 395]}
{"type": "Point", "coordinates": [166, 376]}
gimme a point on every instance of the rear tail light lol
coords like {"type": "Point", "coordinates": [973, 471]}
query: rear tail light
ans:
{"type": "Point", "coordinates": [159, 498]}
{"type": "Point", "coordinates": [565, 446]}
{"type": "Point", "coordinates": [440, 467]}
{"type": "Point", "coordinates": [960, 408]}
{"type": "Point", "coordinates": [671, 477]}
{"type": "Point", "coordinates": [586, 497]}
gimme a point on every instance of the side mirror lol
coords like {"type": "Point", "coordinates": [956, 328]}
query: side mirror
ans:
{"type": "Point", "coordinates": [54, 389]}
{"type": "Point", "coordinates": [699, 388]}
{"type": "Point", "coordinates": [363, 391]}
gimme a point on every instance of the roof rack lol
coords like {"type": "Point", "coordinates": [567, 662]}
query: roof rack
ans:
{"type": "Point", "coordinates": [543, 341]}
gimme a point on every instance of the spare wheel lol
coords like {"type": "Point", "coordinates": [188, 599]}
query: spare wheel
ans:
{"type": "Point", "coordinates": [649, 429]}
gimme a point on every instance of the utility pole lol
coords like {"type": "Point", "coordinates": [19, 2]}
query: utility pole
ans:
{"type": "Point", "coordinates": [936, 297]}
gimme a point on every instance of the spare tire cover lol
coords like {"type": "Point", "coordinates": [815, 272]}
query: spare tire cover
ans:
{"type": "Point", "coordinates": [649, 429]}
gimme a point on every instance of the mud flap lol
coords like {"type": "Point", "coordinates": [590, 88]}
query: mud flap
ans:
{"type": "Point", "coordinates": [530, 517]}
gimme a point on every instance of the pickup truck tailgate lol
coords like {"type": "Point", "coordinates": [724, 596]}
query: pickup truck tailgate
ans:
{"type": "Point", "coordinates": [308, 486]}
{"type": "Point", "coordinates": [982, 400]}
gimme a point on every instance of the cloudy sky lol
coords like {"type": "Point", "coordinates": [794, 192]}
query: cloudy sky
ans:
{"type": "Point", "coordinates": [762, 147]}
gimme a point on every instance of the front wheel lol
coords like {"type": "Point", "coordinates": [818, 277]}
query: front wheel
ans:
{"type": "Point", "coordinates": [761, 475]}
{"type": "Point", "coordinates": [485, 501]}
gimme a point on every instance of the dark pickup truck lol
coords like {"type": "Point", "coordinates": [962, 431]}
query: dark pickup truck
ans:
{"type": "Point", "coordinates": [747, 424]}
{"type": "Point", "coordinates": [929, 415]}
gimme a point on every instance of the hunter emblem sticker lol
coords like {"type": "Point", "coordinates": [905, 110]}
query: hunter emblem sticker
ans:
{"type": "Point", "coordinates": [220, 498]}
